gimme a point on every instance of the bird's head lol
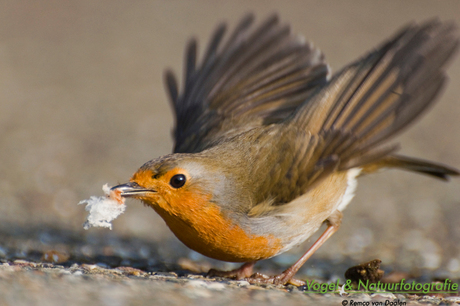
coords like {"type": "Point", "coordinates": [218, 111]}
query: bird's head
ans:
{"type": "Point", "coordinates": [177, 183]}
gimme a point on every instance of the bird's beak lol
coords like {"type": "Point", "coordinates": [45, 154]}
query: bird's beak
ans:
{"type": "Point", "coordinates": [132, 189]}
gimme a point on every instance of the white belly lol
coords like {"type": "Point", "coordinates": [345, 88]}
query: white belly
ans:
{"type": "Point", "coordinates": [312, 204]}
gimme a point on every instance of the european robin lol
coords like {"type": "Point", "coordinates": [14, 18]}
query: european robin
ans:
{"type": "Point", "coordinates": [268, 147]}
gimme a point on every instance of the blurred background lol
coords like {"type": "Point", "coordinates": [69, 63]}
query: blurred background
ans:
{"type": "Point", "coordinates": [82, 103]}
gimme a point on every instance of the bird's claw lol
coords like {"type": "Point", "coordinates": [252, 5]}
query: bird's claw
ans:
{"type": "Point", "coordinates": [257, 278]}
{"type": "Point", "coordinates": [277, 280]}
{"type": "Point", "coordinates": [242, 272]}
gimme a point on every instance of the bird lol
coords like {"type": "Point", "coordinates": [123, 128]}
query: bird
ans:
{"type": "Point", "coordinates": [269, 144]}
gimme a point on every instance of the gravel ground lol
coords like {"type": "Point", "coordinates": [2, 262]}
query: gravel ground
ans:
{"type": "Point", "coordinates": [83, 104]}
{"type": "Point", "coordinates": [28, 283]}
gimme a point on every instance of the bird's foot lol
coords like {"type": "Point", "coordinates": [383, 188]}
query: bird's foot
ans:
{"type": "Point", "coordinates": [284, 278]}
{"type": "Point", "coordinates": [245, 273]}
{"type": "Point", "coordinates": [242, 272]}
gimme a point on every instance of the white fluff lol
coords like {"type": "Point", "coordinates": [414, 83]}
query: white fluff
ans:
{"type": "Point", "coordinates": [103, 210]}
{"type": "Point", "coordinates": [352, 183]}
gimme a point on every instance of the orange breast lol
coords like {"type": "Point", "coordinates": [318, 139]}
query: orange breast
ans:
{"type": "Point", "coordinates": [200, 225]}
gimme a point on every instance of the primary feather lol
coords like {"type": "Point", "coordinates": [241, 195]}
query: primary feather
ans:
{"type": "Point", "coordinates": [267, 81]}
{"type": "Point", "coordinates": [257, 77]}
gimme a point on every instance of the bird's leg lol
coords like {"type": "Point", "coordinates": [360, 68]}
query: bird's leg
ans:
{"type": "Point", "coordinates": [242, 272]}
{"type": "Point", "coordinates": [333, 224]}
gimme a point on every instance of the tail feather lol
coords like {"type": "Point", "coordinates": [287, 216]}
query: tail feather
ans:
{"type": "Point", "coordinates": [433, 169]}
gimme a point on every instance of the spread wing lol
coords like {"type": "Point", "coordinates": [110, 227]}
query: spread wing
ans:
{"type": "Point", "coordinates": [256, 77]}
{"type": "Point", "coordinates": [370, 101]}
{"type": "Point", "coordinates": [348, 122]}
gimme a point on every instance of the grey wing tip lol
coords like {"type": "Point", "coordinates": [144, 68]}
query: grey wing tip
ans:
{"type": "Point", "coordinates": [171, 85]}
{"type": "Point", "coordinates": [247, 19]}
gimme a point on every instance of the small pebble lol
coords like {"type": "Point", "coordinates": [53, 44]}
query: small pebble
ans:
{"type": "Point", "coordinates": [360, 297]}
{"type": "Point", "coordinates": [198, 293]}
{"type": "Point", "coordinates": [55, 256]}
{"type": "Point", "coordinates": [216, 286]}
{"type": "Point", "coordinates": [102, 265]}
{"type": "Point", "coordinates": [130, 271]}
{"type": "Point", "coordinates": [89, 267]}
{"type": "Point", "coordinates": [429, 299]}
{"type": "Point", "coordinates": [455, 299]}
{"type": "Point", "coordinates": [243, 284]}
{"type": "Point", "coordinates": [386, 295]}
{"type": "Point", "coordinates": [196, 283]}
{"type": "Point", "coordinates": [165, 274]}
{"type": "Point", "coordinates": [24, 263]}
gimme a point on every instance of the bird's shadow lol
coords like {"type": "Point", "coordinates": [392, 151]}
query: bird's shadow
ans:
{"type": "Point", "coordinates": [66, 247]}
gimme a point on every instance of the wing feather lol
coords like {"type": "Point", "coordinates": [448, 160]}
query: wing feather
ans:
{"type": "Point", "coordinates": [373, 99]}
{"type": "Point", "coordinates": [255, 78]}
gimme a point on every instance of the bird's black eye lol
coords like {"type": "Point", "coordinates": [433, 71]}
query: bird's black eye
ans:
{"type": "Point", "coordinates": [177, 181]}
